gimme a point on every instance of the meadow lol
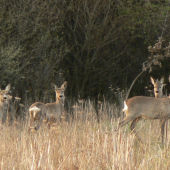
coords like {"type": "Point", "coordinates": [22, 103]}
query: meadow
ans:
{"type": "Point", "coordinates": [83, 143]}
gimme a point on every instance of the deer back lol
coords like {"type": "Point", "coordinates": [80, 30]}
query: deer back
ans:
{"type": "Point", "coordinates": [147, 107]}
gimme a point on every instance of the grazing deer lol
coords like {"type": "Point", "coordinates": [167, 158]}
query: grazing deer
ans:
{"type": "Point", "coordinates": [4, 96]}
{"type": "Point", "coordinates": [139, 107]}
{"type": "Point", "coordinates": [40, 111]}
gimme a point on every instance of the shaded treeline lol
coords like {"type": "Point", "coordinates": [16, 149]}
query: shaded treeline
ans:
{"type": "Point", "coordinates": [91, 44]}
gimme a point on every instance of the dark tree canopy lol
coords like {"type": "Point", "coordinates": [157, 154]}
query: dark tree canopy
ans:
{"type": "Point", "coordinates": [91, 44]}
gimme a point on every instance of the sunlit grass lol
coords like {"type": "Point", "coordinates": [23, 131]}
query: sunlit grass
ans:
{"type": "Point", "coordinates": [83, 143]}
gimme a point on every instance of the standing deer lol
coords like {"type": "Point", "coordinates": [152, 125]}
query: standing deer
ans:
{"type": "Point", "coordinates": [139, 107]}
{"type": "Point", "coordinates": [158, 87]}
{"type": "Point", "coordinates": [4, 96]}
{"type": "Point", "coordinates": [40, 111]}
{"type": "Point", "coordinates": [158, 92]}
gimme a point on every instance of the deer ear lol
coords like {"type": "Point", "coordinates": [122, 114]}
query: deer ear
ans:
{"type": "Point", "coordinates": [54, 86]}
{"type": "Point", "coordinates": [152, 80]}
{"type": "Point", "coordinates": [64, 85]}
{"type": "Point", "coordinates": [8, 87]}
{"type": "Point", "coordinates": [162, 80]}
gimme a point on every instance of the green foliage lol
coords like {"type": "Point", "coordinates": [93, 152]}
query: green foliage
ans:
{"type": "Point", "coordinates": [92, 43]}
{"type": "Point", "coordinates": [10, 63]}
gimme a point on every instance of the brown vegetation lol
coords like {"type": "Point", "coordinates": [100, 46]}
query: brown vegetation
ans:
{"type": "Point", "coordinates": [82, 144]}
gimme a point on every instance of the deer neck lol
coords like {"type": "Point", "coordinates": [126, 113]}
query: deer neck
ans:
{"type": "Point", "coordinates": [158, 95]}
{"type": "Point", "coordinates": [60, 101]}
{"type": "Point", "coordinates": [3, 106]}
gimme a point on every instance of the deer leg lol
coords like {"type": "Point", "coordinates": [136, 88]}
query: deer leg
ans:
{"type": "Point", "coordinates": [162, 129]}
{"type": "Point", "coordinates": [133, 125]}
{"type": "Point", "coordinates": [40, 118]}
{"type": "Point", "coordinates": [134, 122]}
{"type": "Point", "coordinates": [166, 130]}
{"type": "Point", "coordinates": [125, 121]}
{"type": "Point", "coordinates": [31, 119]}
{"type": "Point", "coordinates": [38, 124]}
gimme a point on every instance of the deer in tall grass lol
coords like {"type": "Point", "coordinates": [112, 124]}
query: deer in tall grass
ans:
{"type": "Point", "coordinates": [139, 107]}
{"type": "Point", "coordinates": [158, 92]}
{"type": "Point", "coordinates": [4, 103]}
{"type": "Point", "coordinates": [39, 111]}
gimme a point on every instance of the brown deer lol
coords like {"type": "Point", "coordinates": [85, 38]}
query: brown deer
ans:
{"type": "Point", "coordinates": [40, 111]}
{"type": "Point", "coordinates": [158, 92]}
{"type": "Point", "coordinates": [139, 107]}
{"type": "Point", "coordinates": [158, 87]}
{"type": "Point", "coordinates": [4, 102]}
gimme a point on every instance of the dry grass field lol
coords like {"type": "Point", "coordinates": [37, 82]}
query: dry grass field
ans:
{"type": "Point", "coordinates": [84, 144]}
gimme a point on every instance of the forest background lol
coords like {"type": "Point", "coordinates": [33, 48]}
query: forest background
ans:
{"type": "Point", "coordinates": [93, 45]}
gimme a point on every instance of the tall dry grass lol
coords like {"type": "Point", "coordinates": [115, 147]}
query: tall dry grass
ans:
{"type": "Point", "coordinates": [83, 144]}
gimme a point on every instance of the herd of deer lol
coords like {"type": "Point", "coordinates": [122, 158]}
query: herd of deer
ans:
{"type": "Point", "coordinates": [135, 108]}
{"type": "Point", "coordinates": [38, 111]}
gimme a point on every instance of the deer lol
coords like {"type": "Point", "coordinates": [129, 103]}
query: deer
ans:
{"type": "Point", "coordinates": [158, 92]}
{"type": "Point", "coordinates": [50, 111]}
{"type": "Point", "coordinates": [139, 107]}
{"type": "Point", "coordinates": [158, 87]}
{"type": "Point", "coordinates": [4, 103]}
